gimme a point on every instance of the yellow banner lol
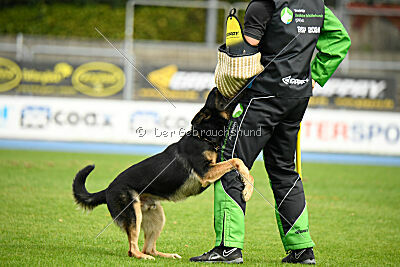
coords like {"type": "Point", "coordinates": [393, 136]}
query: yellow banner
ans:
{"type": "Point", "coordinates": [95, 79]}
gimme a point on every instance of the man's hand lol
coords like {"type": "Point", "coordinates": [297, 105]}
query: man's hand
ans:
{"type": "Point", "coordinates": [313, 83]}
{"type": "Point", "coordinates": [251, 40]}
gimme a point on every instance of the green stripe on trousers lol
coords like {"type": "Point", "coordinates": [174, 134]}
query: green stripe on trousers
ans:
{"type": "Point", "coordinates": [228, 219]}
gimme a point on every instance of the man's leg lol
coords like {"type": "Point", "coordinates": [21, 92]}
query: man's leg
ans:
{"type": "Point", "coordinates": [247, 133]}
{"type": "Point", "coordinates": [291, 209]}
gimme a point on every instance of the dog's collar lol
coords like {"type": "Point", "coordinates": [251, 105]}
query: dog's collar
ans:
{"type": "Point", "coordinates": [195, 133]}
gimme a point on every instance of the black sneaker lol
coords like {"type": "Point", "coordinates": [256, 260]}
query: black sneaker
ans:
{"type": "Point", "coordinates": [221, 254]}
{"type": "Point", "coordinates": [302, 256]}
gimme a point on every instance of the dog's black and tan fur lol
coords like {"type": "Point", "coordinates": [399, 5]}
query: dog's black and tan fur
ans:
{"type": "Point", "coordinates": [194, 166]}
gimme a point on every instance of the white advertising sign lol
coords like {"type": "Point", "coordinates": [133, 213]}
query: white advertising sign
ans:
{"type": "Point", "coordinates": [159, 123]}
{"type": "Point", "coordinates": [114, 121]}
{"type": "Point", "coordinates": [351, 131]}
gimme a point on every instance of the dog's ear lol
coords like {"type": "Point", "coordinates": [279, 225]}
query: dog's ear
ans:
{"type": "Point", "coordinates": [210, 101]}
{"type": "Point", "coordinates": [203, 114]}
{"type": "Point", "coordinates": [220, 101]}
{"type": "Point", "coordinates": [215, 100]}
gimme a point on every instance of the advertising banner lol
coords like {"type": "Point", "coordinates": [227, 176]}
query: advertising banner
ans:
{"type": "Point", "coordinates": [93, 79]}
{"type": "Point", "coordinates": [349, 92]}
{"type": "Point", "coordinates": [113, 121]}
{"type": "Point", "coordinates": [176, 84]}
{"type": "Point", "coordinates": [106, 80]}
{"type": "Point", "coordinates": [160, 123]}
{"type": "Point", "coordinates": [346, 131]}
{"type": "Point", "coordinates": [340, 92]}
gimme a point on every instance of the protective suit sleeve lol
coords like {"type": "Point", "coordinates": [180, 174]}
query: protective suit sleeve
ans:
{"type": "Point", "coordinates": [333, 44]}
{"type": "Point", "coordinates": [256, 18]}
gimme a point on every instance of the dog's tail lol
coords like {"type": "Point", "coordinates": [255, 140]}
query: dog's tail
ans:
{"type": "Point", "coordinates": [82, 196]}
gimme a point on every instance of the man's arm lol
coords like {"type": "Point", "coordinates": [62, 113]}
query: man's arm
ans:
{"type": "Point", "coordinates": [333, 44]}
{"type": "Point", "coordinates": [258, 14]}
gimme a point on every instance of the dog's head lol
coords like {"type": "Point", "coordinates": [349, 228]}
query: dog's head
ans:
{"type": "Point", "coordinates": [215, 106]}
{"type": "Point", "coordinates": [213, 109]}
{"type": "Point", "coordinates": [213, 116]}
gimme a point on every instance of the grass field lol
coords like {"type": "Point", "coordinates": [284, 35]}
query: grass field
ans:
{"type": "Point", "coordinates": [354, 215]}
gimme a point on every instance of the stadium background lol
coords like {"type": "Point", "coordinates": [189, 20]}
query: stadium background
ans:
{"type": "Point", "coordinates": [63, 88]}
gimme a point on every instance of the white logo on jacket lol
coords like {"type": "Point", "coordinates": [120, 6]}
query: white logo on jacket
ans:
{"type": "Point", "coordinates": [293, 81]}
{"type": "Point", "coordinates": [301, 29]}
{"type": "Point", "coordinates": [314, 29]}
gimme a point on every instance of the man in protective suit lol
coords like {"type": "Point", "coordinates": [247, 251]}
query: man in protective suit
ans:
{"type": "Point", "coordinates": [286, 34]}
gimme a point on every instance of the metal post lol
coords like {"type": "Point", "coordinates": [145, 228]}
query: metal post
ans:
{"type": "Point", "coordinates": [211, 22]}
{"type": "Point", "coordinates": [128, 47]}
{"type": "Point", "coordinates": [19, 55]}
{"type": "Point", "coordinates": [341, 8]}
{"type": "Point", "coordinates": [211, 5]}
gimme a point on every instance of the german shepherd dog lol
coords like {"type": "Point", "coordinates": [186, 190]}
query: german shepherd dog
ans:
{"type": "Point", "coordinates": [183, 169]}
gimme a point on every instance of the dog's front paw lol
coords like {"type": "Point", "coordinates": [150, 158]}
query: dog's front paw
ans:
{"type": "Point", "coordinates": [246, 194]}
{"type": "Point", "coordinates": [247, 191]}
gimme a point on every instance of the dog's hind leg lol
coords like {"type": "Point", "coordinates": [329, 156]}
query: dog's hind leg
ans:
{"type": "Point", "coordinates": [133, 231]}
{"type": "Point", "coordinates": [152, 224]}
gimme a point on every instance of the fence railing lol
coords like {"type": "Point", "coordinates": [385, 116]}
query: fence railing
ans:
{"type": "Point", "coordinates": [24, 50]}
{"type": "Point", "coordinates": [211, 6]}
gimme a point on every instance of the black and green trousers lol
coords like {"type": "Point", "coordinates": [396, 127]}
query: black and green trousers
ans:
{"type": "Point", "coordinates": [268, 124]}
